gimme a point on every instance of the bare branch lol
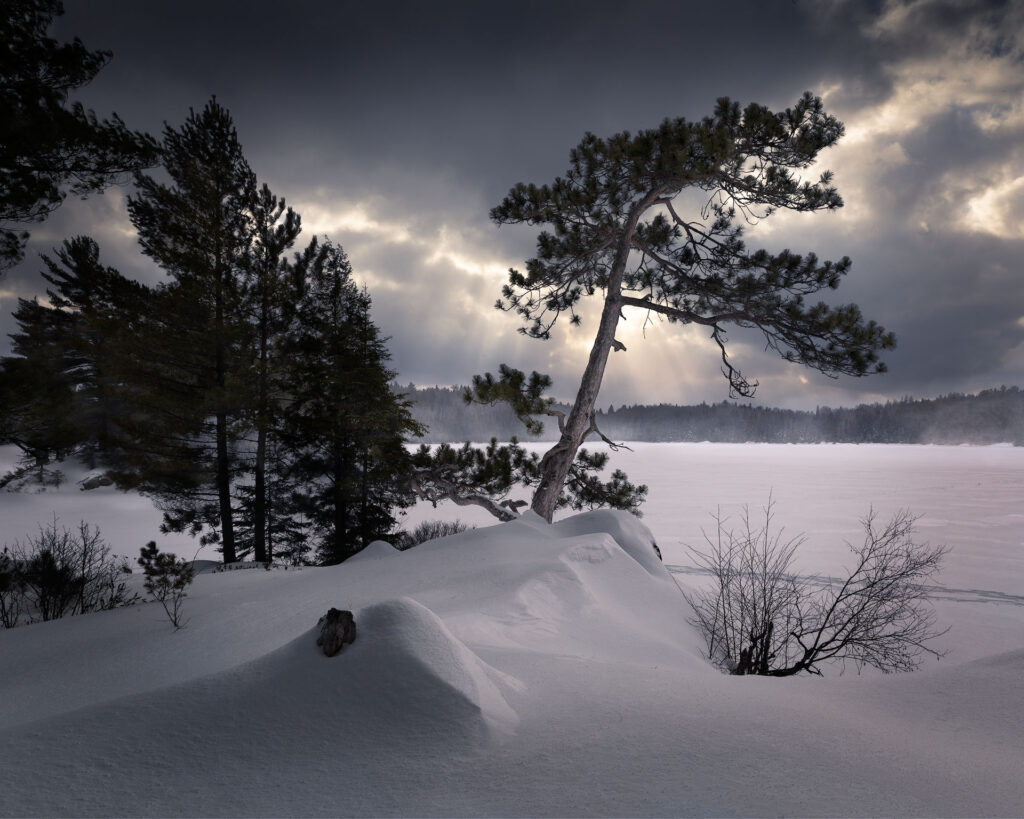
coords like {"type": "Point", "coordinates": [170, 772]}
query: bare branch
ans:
{"type": "Point", "coordinates": [738, 385]}
{"type": "Point", "coordinates": [592, 429]}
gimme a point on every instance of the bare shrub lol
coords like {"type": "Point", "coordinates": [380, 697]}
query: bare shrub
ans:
{"type": "Point", "coordinates": [430, 530]}
{"type": "Point", "coordinates": [61, 572]}
{"type": "Point", "coordinates": [759, 617]}
{"type": "Point", "coordinates": [12, 597]}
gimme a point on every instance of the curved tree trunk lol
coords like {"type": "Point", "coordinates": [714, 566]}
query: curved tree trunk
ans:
{"type": "Point", "coordinates": [557, 460]}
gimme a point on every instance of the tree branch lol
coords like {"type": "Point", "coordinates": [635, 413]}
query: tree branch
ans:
{"type": "Point", "coordinates": [434, 485]}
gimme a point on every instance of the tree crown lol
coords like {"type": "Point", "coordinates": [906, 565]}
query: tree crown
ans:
{"type": "Point", "coordinates": [614, 226]}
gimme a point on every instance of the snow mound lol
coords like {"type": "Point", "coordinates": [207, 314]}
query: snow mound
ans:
{"type": "Point", "coordinates": [206, 566]}
{"type": "Point", "coordinates": [405, 669]}
{"type": "Point", "coordinates": [627, 531]}
{"type": "Point", "coordinates": [429, 669]}
{"type": "Point", "coordinates": [405, 682]}
{"type": "Point", "coordinates": [377, 550]}
{"type": "Point", "coordinates": [568, 589]}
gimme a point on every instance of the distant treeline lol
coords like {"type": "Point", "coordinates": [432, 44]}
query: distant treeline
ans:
{"type": "Point", "coordinates": [991, 416]}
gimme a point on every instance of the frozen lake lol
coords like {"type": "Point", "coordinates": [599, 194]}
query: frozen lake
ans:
{"type": "Point", "coordinates": [970, 498]}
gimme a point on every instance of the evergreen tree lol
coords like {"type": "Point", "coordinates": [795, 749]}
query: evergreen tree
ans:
{"type": "Point", "coordinates": [270, 294]}
{"type": "Point", "coordinates": [163, 443]}
{"type": "Point", "coordinates": [198, 229]}
{"type": "Point", "coordinates": [37, 390]}
{"type": "Point", "coordinates": [384, 421]}
{"type": "Point", "coordinates": [285, 526]}
{"type": "Point", "coordinates": [470, 476]}
{"type": "Point", "coordinates": [59, 400]}
{"type": "Point", "coordinates": [615, 228]}
{"type": "Point", "coordinates": [93, 301]}
{"type": "Point", "coordinates": [343, 424]}
{"type": "Point", "coordinates": [475, 477]}
{"type": "Point", "coordinates": [48, 148]}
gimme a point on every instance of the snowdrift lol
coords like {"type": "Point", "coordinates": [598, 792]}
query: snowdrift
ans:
{"type": "Point", "coordinates": [520, 669]}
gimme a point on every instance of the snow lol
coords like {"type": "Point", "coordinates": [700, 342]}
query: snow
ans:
{"type": "Point", "coordinates": [531, 669]}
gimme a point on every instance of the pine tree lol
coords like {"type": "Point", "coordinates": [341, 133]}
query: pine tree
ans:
{"type": "Point", "coordinates": [285, 527]}
{"type": "Point", "coordinates": [162, 440]}
{"type": "Point", "coordinates": [37, 390]}
{"type": "Point", "coordinates": [48, 148]}
{"type": "Point", "coordinates": [270, 295]}
{"type": "Point", "coordinates": [615, 228]}
{"type": "Point", "coordinates": [93, 301]}
{"type": "Point", "coordinates": [385, 420]}
{"type": "Point", "coordinates": [198, 230]}
{"type": "Point", "coordinates": [484, 477]}
{"type": "Point", "coordinates": [343, 423]}
{"type": "Point", "coordinates": [58, 398]}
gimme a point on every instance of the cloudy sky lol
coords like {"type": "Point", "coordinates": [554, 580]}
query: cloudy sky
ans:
{"type": "Point", "coordinates": [394, 127]}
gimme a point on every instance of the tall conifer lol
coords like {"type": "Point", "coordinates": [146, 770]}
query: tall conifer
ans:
{"type": "Point", "coordinates": [59, 396]}
{"type": "Point", "coordinates": [270, 297]}
{"type": "Point", "coordinates": [94, 301]}
{"type": "Point", "coordinates": [37, 389]}
{"type": "Point", "coordinates": [198, 230]}
{"type": "Point", "coordinates": [343, 423]}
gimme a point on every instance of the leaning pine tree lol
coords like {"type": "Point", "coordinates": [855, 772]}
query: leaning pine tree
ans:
{"type": "Point", "coordinates": [615, 228]}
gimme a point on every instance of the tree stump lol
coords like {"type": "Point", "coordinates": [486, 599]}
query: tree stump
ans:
{"type": "Point", "coordinates": [337, 629]}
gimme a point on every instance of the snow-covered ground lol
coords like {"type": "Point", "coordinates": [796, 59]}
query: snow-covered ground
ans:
{"type": "Point", "coordinates": [527, 669]}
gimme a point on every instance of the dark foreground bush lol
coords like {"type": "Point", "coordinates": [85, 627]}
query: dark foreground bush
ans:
{"type": "Point", "coordinates": [61, 572]}
{"type": "Point", "coordinates": [429, 530]}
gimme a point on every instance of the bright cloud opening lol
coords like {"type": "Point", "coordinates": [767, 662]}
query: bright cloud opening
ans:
{"type": "Point", "coordinates": [447, 252]}
{"type": "Point", "coordinates": [998, 210]}
{"type": "Point", "coordinates": [337, 221]}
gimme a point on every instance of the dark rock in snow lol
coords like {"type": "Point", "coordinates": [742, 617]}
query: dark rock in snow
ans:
{"type": "Point", "coordinates": [337, 629]}
{"type": "Point", "coordinates": [94, 482]}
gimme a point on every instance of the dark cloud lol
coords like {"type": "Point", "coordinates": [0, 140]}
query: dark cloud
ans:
{"type": "Point", "coordinates": [486, 91]}
{"type": "Point", "coordinates": [917, 29]}
{"type": "Point", "coordinates": [396, 127]}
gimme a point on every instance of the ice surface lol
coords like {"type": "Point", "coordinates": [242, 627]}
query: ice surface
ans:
{"type": "Point", "coordinates": [532, 669]}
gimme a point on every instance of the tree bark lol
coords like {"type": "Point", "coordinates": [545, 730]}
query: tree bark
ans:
{"type": "Point", "coordinates": [259, 501]}
{"type": "Point", "coordinates": [224, 490]}
{"type": "Point", "coordinates": [259, 509]}
{"type": "Point", "coordinates": [223, 461]}
{"type": "Point", "coordinates": [340, 498]}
